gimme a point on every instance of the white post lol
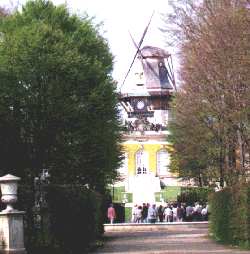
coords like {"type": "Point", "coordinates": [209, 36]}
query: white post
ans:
{"type": "Point", "coordinates": [11, 221]}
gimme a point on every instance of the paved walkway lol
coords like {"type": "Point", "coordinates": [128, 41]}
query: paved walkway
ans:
{"type": "Point", "coordinates": [183, 240]}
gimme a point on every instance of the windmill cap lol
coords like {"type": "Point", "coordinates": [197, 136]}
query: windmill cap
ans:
{"type": "Point", "coordinates": [150, 51]}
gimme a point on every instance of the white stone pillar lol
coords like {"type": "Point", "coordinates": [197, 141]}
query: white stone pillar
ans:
{"type": "Point", "coordinates": [11, 221]}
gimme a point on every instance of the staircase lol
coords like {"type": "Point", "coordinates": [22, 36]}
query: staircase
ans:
{"type": "Point", "coordinates": [143, 188]}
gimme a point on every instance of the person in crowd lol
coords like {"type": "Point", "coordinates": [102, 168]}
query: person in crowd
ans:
{"type": "Point", "coordinates": [138, 214]}
{"type": "Point", "coordinates": [195, 214]}
{"type": "Point", "coordinates": [174, 211]}
{"type": "Point", "coordinates": [168, 213]}
{"type": "Point", "coordinates": [151, 214]}
{"type": "Point", "coordinates": [144, 213]}
{"type": "Point", "coordinates": [156, 212]}
{"type": "Point", "coordinates": [160, 213]}
{"type": "Point", "coordinates": [199, 208]}
{"type": "Point", "coordinates": [208, 212]}
{"type": "Point", "coordinates": [111, 214]}
{"type": "Point", "coordinates": [148, 208]}
{"type": "Point", "coordinates": [204, 213]}
{"type": "Point", "coordinates": [133, 214]}
{"type": "Point", "coordinates": [189, 213]}
{"type": "Point", "coordinates": [165, 207]}
{"type": "Point", "coordinates": [154, 206]}
{"type": "Point", "coordinates": [180, 212]}
{"type": "Point", "coordinates": [184, 214]}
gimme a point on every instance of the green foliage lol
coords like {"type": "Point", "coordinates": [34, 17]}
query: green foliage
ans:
{"type": "Point", "coordinates": [128, 211]}
{"type": "Point", "coordinates": [130, 197]}
{"type": "Point", "coordinates": [40, 238]}
{"type": "Point", "coordinates": [81, 211]}
{"type": "Point", "coordinates": [210, 129]}
{"type": "Point", "coordinates": [230, 215]}
{"type": "Point", "coordinates": [189, 151]}
{"type": "Point", "coordinates": [119, 193]}
{"type": "Point", "coordinates": [58, 106]}
{"type": "Point", "coordinates": [191, 195]}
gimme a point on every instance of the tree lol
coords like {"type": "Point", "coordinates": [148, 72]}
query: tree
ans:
{"type": "Point", "coordinates": [191, 150]}
{"type": "Point", "coordinates": [58, 100]}
{"type": "Point", "coordinates": [213, 39]}
{"type": "Point", "coordinates": [7, 11]}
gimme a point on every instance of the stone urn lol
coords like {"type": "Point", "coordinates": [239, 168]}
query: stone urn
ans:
{"type": "Point", "coordinates": [9, 184]}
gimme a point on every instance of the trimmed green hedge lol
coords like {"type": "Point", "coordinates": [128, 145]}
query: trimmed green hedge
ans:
{"type": "Point", "coordinates": [190, 195]}
{"type": "Point", "coordinates": [76, 213]}
{"type": "Point", "coordinates": [118, 193]}
{"type": "Point", "coordinates": [130, 197]}
{"type": "Point", "coordinates": [128, 211]}
{"type": "Point", "coordinates": [230, 215]}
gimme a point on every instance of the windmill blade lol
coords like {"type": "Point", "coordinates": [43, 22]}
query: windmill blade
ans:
{"type": "Point", "coordinates": [133, 40]}
{"type": "Point", "coordinates": [171, 72]}
{"type": "Point", "coordinates": [145, 31]}
{"type": "Point", "coordinates": [138, 49]}
{"type": "Point", "coordinates": [135, 45]}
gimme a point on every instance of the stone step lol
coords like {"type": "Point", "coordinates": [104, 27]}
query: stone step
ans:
{"type": "Point", "coordinates": [143, 188]}
{"type": "Point", "coordinates": [178, 226]}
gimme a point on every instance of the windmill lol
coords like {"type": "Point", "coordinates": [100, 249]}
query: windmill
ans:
{"type": "Point", "coordinates": [148, 104]}
{"type": "Point", "coordinates": [157, 64]}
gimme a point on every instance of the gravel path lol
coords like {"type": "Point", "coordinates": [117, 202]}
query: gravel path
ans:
{"type": "Point", "coordinates": [183, 240]}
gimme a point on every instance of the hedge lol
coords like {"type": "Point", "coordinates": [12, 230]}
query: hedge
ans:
{"type": "Point", "coordinates": [191, 195]}
{"type": "Point", "coordinates": [128, 212]}
{"type": "Point", "coordinates": [119, 193]}
{"type": "Point", "coordinates": [76, 217]}
{"type": "Point", "coordinates": [230, 215]}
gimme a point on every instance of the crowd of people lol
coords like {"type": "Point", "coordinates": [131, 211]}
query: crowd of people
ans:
{"type": "Point", "coordinates": [172, 212]}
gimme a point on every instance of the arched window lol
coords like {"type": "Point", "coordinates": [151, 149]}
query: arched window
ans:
{"type": "Point", "coordinates": [142, 162]}
{"type": "Point", "coordinates": [162, 163]}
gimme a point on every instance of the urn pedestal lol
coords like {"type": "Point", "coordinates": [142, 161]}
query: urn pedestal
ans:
{"type": "Point", "coordinates": [11, 221]}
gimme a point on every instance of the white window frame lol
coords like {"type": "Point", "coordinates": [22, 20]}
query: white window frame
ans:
{"type": "Point", "coordinates": [142, 162]}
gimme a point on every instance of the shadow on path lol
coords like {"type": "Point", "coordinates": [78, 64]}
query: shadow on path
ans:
{"type": "Point", "coordinates": [183, 240]}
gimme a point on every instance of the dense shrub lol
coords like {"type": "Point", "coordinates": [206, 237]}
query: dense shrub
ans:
{"type": "Point", "coordinates": [76, 213]}
{"type": "Point", "coordinates": [230, 214]}
{"type": "Point", "coordinates": [76, 216]}
{"type": "Point", "coordinates": [118, 193]}
{"type": "Point", "coordinates": [221, 209]}
{"type": "Point", "coordinates": [128, 211]}
{"type": "Point", "coordinates": [190, 195]}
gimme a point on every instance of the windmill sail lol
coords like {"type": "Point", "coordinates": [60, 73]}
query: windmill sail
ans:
{"type": "Point", "coordinates": [138, 49]}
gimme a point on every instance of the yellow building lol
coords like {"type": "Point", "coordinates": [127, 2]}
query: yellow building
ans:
{"type": "Point", "coordinates": [146, 105]}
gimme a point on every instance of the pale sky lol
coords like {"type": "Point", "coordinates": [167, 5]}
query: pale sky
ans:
{"type": "Point", "coordinates": [121, 17]}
